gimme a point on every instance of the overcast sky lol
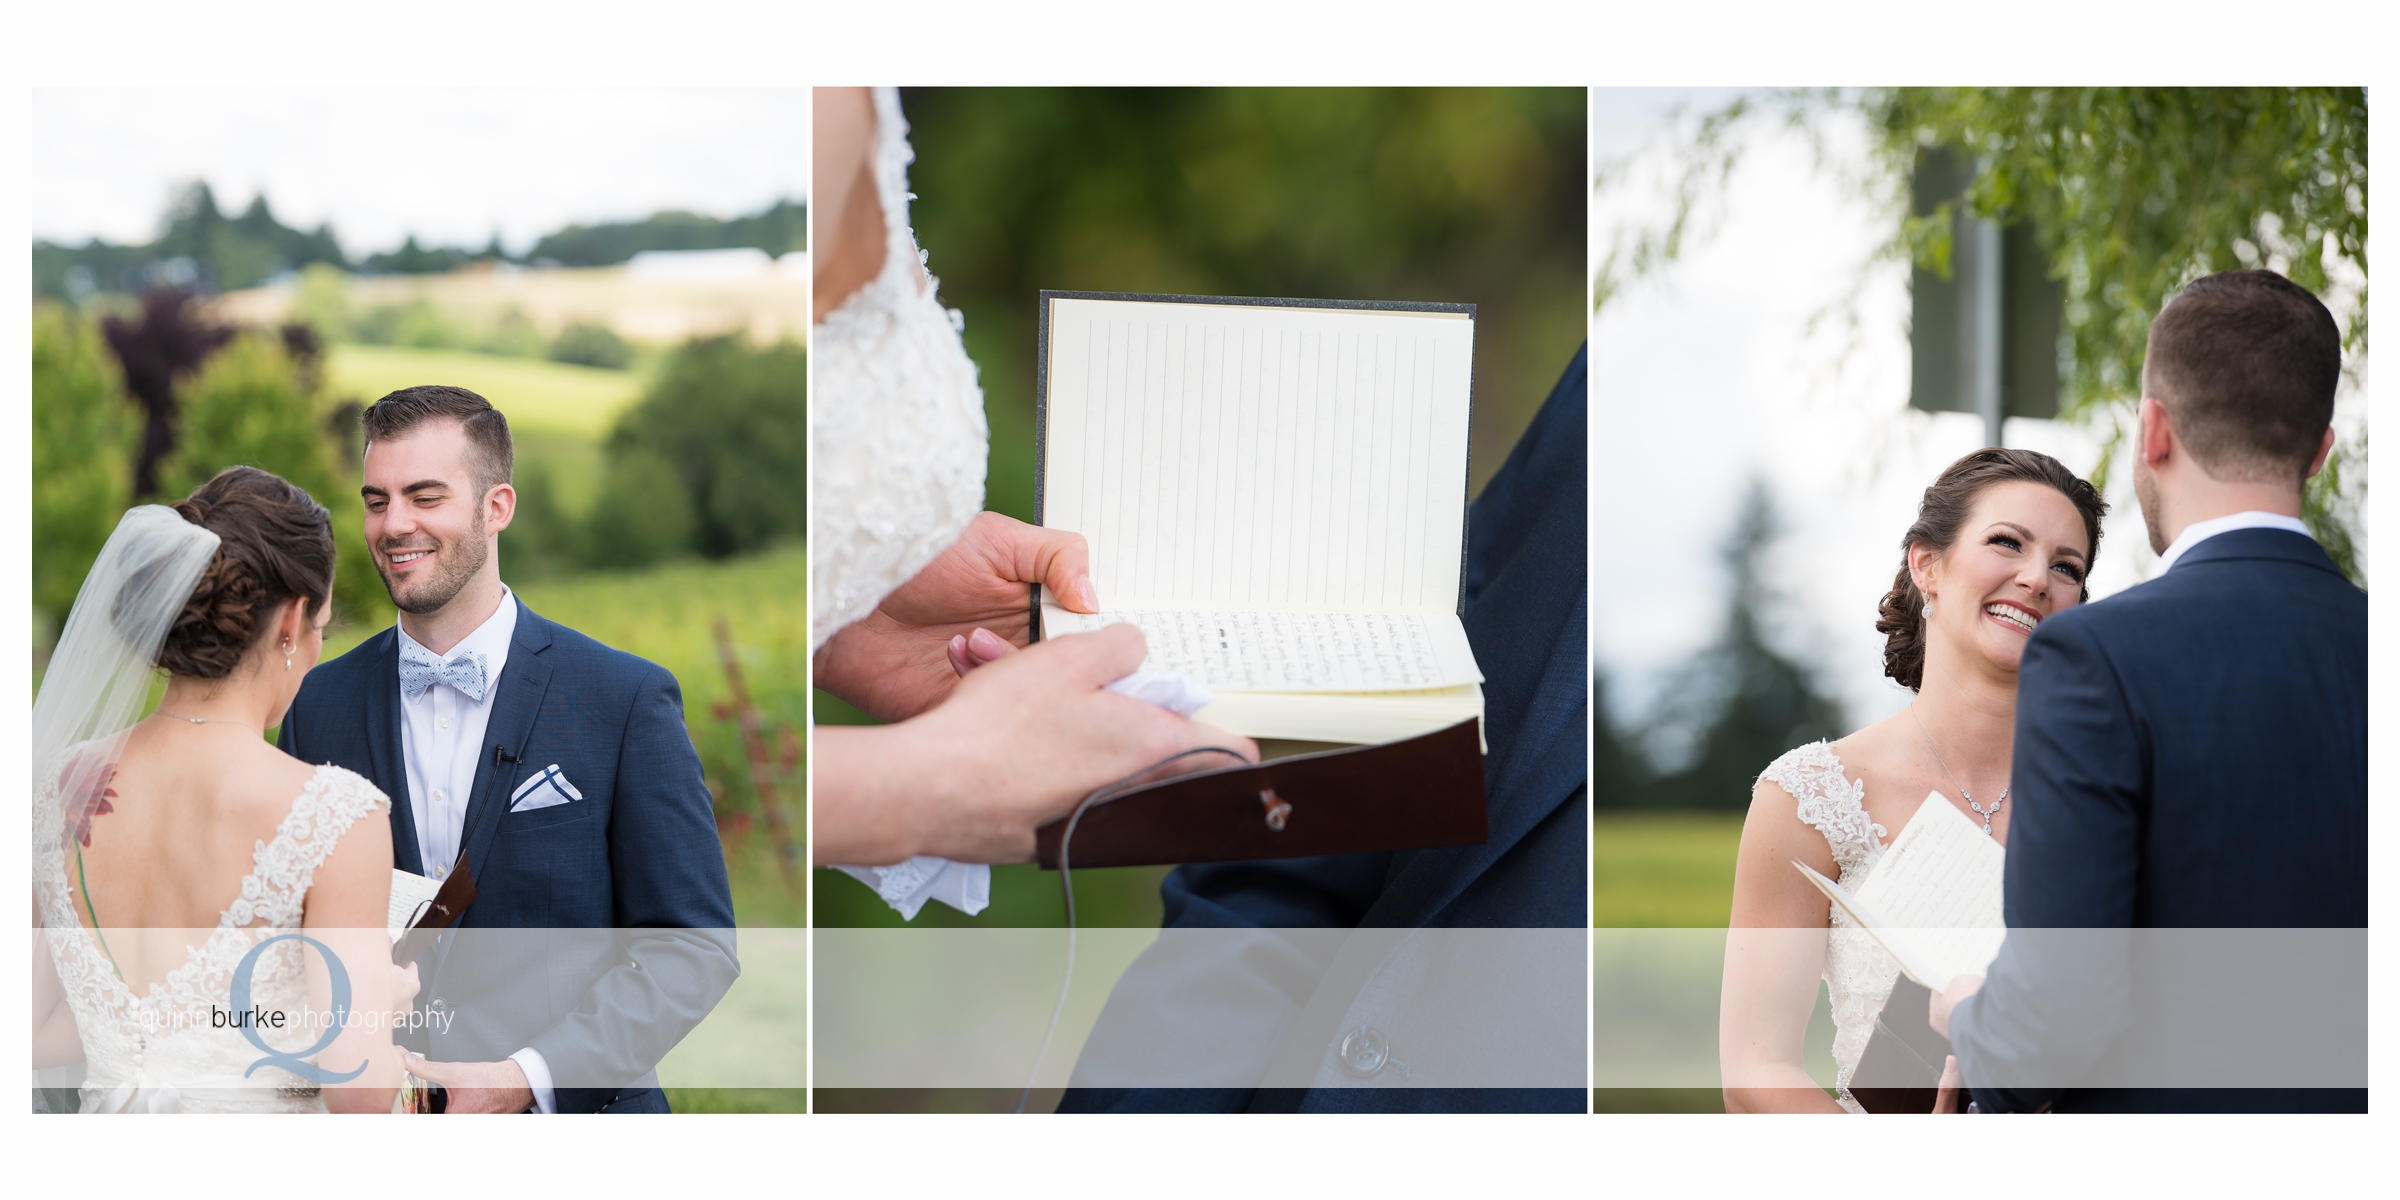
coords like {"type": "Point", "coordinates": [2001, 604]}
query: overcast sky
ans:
{"type": "Point", "coordinates": [450, 166]}
{"type": "Point", "coordinates": [1706, 375]}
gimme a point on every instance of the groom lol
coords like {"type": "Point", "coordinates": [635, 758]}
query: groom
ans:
{"type": "Point", "coordinates": [556, 770]}
{"type": "Point", "coordinates": [2191, 754]}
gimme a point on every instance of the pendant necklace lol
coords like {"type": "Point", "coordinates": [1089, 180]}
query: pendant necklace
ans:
{"type": "Point", "coordinates": [209, 721]}
{"type": "Point", "coordinates": [1981, 811]}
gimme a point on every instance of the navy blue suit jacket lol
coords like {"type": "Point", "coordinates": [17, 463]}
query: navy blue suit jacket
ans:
{"type": "Point", "coordinates": [1525, 617]}
{"type": "Point", "coordinates": [2190, 753]}
{"type": "Point", "coordinates": [635, 865]}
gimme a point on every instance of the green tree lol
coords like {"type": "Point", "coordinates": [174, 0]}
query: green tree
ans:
{"type": "Point", "coordinates": [780, 228]}
{"type": "Point", "coordinates": [729, 423]}
{"type": "Point", "coordinates": [83, 439]}
{"type": "Point", "coordinates": [544, 539]}
{"type": "Point", "coordinates": [250, 406]}
{"type": "Point", "coordinates": [643, 514]}
{"type": "Point", "coordinates": [1739, 705]}
{"type": "Point", "coordinates": [591, 344]}
{"type": "Point", "coordinates": [219, 253]}
{"type": "Point", "coordinates": [2134, 192]}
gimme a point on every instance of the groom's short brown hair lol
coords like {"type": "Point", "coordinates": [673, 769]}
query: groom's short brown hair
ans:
{"type": "Point", "coordinates": [492, 454]}
{"type": "Point", "coordinates": [2246, 363]}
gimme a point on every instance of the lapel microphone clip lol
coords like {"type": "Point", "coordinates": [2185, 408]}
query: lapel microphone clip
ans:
{"type": "Point", "coordinates": [500, 754]}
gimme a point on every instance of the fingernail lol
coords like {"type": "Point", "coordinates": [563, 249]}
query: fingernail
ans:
{"type": "Point", "coordinates": [986, 645]}
{"type": "Point", "coordinates": [1084, 593]}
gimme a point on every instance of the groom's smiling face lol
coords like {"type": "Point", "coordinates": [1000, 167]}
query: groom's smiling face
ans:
{"type": "Point", "coordinates": [425, 515]}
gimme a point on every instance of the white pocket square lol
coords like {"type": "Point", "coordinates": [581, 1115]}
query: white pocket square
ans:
{"type": "Point", "coordinates": [547, 787]}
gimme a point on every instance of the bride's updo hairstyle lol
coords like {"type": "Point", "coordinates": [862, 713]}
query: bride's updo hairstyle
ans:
{"type": "Point", "coordinates": [1901, 617]}
{"type": "Point", "coordinates": [274, 543]}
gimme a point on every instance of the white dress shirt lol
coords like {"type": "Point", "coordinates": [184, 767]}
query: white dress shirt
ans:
{"type": "Point", "coordinates": [441, 740]}
{"type": "Point", "coordinates": [2200, 531]}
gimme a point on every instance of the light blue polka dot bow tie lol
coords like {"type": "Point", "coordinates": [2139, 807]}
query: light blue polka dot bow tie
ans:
{"type": "Point", "coordinates": [419, 669]}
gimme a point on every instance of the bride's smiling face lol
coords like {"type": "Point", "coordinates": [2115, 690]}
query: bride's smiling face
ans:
{"type": "Point", "coordinates": [2019, 559]}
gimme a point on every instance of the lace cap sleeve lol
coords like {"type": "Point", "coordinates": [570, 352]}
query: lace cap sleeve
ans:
{"type": "Point", "coordinates": [1829, 801]}
{"type": "Point", "coordinates": [284, 869]}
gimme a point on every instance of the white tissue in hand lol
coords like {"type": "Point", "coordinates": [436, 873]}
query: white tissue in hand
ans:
{"type": "Point", "coordinates": [906, 886]}
{"type": "Point", "coordinates": [1173, 691]}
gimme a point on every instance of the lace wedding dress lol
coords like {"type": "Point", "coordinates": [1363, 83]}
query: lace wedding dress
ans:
{"type": "Point", "coordinates": [1858, 973]}
{"type": "Point", "coordinates": [895, 419]}
{"type": "Point", "coordinates": [161, 1052]}
{"type": "Point", "coordinates": [898, 442]}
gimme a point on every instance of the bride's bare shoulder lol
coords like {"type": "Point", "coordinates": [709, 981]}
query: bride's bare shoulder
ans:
{"type": "Point", "coordinates": [276, 779]}
{"type": "Point", "coordinates": [1867, 750]}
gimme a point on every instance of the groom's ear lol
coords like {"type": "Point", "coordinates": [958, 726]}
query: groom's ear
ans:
{"type": "Point", "coordinates": [499, 507]}
{"type": "Point", "coordinates": [2156, 431]}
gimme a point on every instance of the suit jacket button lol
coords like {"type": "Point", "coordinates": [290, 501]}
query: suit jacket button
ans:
{"type": "Point", "coordinates": [1363, 1052]}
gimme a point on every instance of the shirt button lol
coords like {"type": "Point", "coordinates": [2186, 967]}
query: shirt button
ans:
{"type": "Point", "coordinates": [444, 722]}
{"type": "Point", "coordinates": [437, 795]}
{"type": "Point", "coordinates": [1363, 1052]}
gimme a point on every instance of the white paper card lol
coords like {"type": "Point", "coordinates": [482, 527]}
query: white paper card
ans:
{"type": "Point", "coordinates": [1934, 898]}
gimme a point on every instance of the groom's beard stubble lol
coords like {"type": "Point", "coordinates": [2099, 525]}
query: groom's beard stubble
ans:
{"type": "Point", "coordinates": [2145, 492]}
{"type": "Point", "coordinates": [453, 564]}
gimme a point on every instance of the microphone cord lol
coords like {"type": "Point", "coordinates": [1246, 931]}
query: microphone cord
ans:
{"type": "Point", "coordinates": [1066, 887]}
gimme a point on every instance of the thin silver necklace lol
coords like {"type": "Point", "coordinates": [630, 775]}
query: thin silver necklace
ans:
{"type": "Point", "coordinates": [210, 721]}
{"type": "Point", "coordinates": [1981, 811]}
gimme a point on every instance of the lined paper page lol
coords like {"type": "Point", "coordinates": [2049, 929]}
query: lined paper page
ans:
{"type": "Point", "coordinates": [1244, 457]}
{"type": "Point", "coordinates": [1269, 651]}
{"type": "Point", "coordinates": [410, 894]}
{"type": "Point", "coordinates": [1913, 961]}
{"type": "Point", "coordinates": [1940, 881]}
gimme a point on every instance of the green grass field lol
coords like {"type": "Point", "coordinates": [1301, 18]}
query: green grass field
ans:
{"type": "Point", "coordinates": [1658, 870]}
{"type": "Point", "coordinates": [1663, 870]}
{"type": "Point", "coordinates": [536, 395]}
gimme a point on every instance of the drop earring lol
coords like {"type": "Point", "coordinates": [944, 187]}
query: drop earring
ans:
{"type": "Point", "coordinates": [287, 654]}
{"type": "Point", "coordinates": [1928, 608]}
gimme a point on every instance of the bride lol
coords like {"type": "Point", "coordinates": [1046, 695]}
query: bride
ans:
{"type": "Point", "coordinates": [2002, 541]}
{"type": "Point", "coordinates": [211, 910]}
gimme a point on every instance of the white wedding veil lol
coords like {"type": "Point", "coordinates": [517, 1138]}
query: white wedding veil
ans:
{"type": "Point", "coordinates": [100, 675]}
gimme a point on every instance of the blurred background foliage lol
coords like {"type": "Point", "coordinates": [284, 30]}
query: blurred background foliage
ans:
{"type": "Point", "coordinates": [1461, 195]}
{"type": "Point", "coordinates": [199, 246]}
{"type": "Point", "coordinates": [2133, 193]}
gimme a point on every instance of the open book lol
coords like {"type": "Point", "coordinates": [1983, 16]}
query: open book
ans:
{"type": "Point", "coordinates": [1275, 493]}
{"type": "Point", "coordinates": [1934, 899]}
